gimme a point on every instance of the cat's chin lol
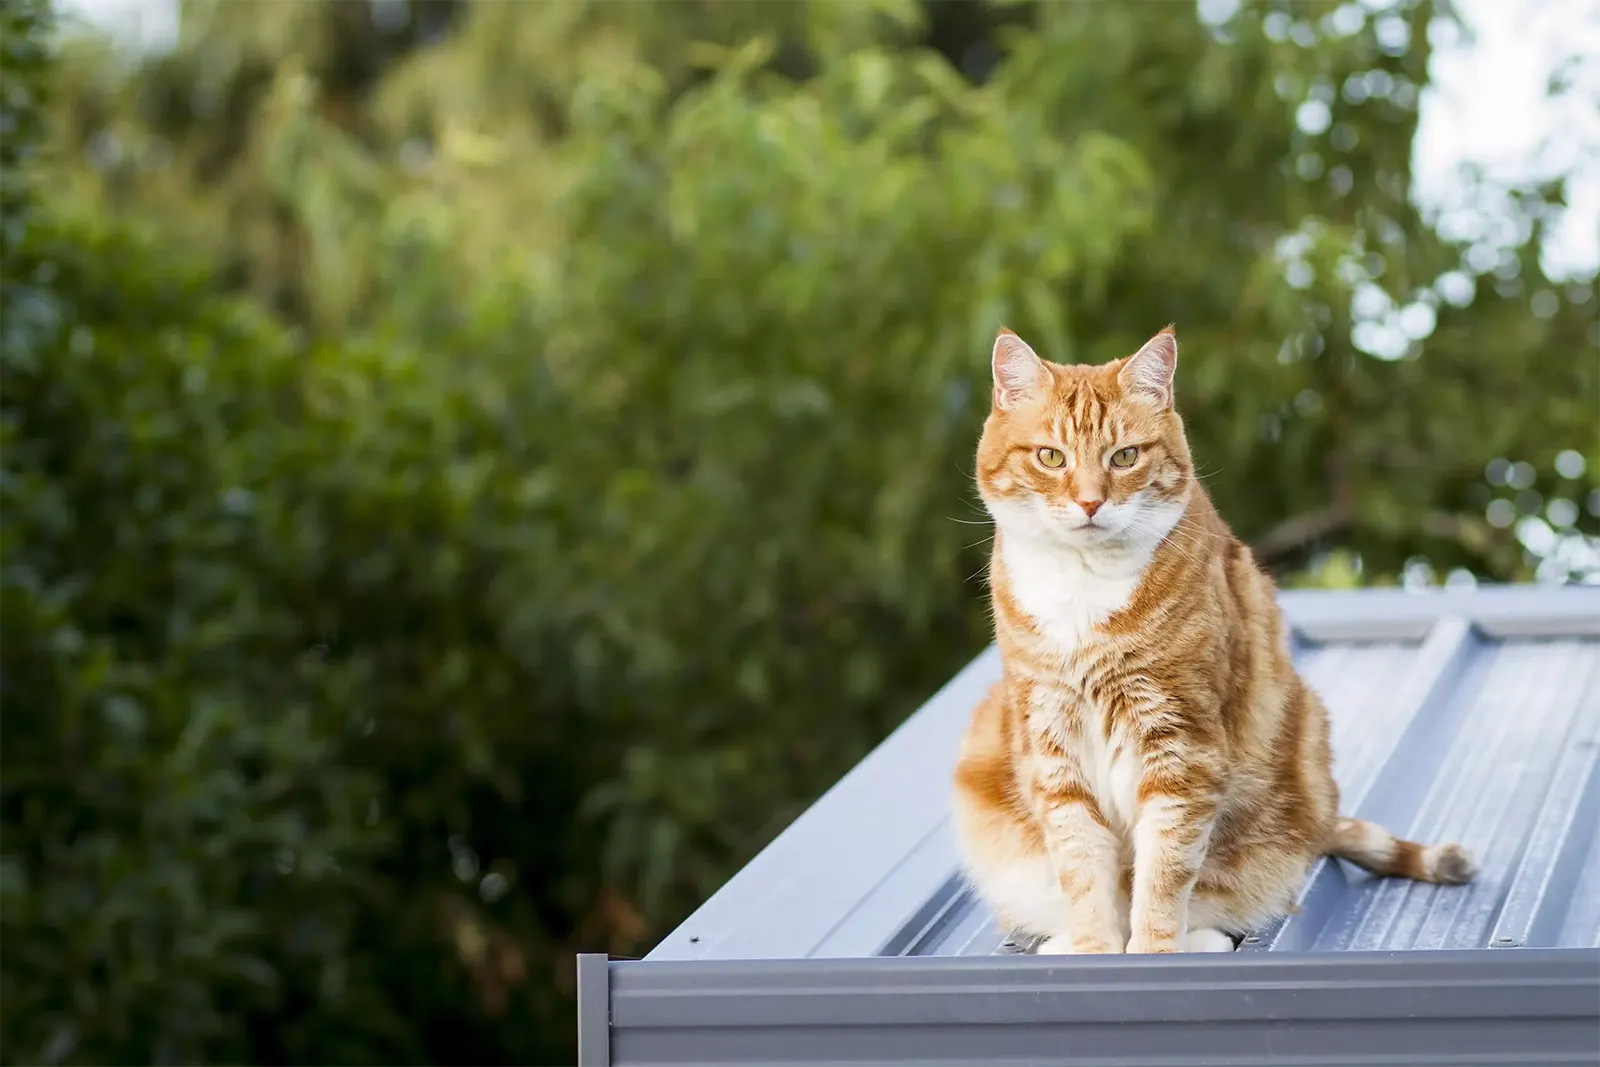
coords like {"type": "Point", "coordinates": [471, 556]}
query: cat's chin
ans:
{"type": "Point", "coordinates": [1089, 533]}
{"type": "Point", "coordinates": [1084, 537]}
{"type": "Point", "coordinates": [1100, 540]}
{"type": "Point", "coordinates": [1129, 534]}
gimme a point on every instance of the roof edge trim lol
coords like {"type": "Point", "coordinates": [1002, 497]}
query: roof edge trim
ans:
{"type": "Point", "coordinates": [1520, 1007]}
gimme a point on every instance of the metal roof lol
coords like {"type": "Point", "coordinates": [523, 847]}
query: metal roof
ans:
{"type": "Point", "coordinates": [1467, 716]}
{"type": "Point", "coordinates": [1471, 716]}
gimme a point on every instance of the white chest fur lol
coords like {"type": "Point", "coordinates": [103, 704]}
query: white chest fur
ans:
{"type": "Point", "coordinates": [1068, 593]}
{"type": "Point", "coordinates": [1103, 761]}
{"type": "Point", "coordinates": [1069, 587]}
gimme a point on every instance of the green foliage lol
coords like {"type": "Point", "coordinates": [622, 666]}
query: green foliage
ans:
{"type": "Point", "coordinates": [167, 751]}
{"type": "Point", "coordinates": [522, 453]}
{"type": "Point", "coordinates": [24, 26]}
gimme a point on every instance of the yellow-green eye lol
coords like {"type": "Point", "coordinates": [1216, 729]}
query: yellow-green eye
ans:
{"type": "Point", "coordinates": [1051, 457]}
{"type": "Point", "coordinates": [1124, 457]}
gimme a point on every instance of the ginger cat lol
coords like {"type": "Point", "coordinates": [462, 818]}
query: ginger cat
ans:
{"type": "Point", "coordinates": [1150, 774]}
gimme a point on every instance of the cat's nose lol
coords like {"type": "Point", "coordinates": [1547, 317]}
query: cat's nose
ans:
{"type": "Point", "coordinates": [1090, 506]}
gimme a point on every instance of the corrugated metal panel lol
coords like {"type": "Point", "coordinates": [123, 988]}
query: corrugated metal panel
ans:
{"type": "Point", "coordinates": [1499, 751]}
{"type": "Point", "coordinates": [1470, 716]}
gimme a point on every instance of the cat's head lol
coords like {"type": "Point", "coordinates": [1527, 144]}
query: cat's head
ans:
{"type": "Point", "coordinates": [1084, 456]}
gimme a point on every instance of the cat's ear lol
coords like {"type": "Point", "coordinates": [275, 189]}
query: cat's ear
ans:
{"type": "Point", "coordinates": [1018, 370]}
{"type": "Point", "coordinates": [1149, 371]}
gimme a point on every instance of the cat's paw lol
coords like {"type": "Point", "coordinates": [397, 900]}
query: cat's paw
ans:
{"type": "Point", "coordinates": [1209, 939]}
{"type": "Point", "coordinates": [1153, 945]}
{"type": "Point", "coordinates": [1083, 946]}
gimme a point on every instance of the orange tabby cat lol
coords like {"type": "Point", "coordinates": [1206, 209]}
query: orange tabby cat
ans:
{"type": "Point", "coordinates": [1150, 774]}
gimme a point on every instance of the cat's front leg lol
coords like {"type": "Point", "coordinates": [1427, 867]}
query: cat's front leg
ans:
{"type": "Point", "coordinates": [1173, 828]}
{"type": "Point", "coordinates": [1084, 855]}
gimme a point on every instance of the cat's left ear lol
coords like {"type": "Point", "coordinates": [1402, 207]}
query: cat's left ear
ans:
{"type": "Point", "coordinates": [1149, 371]}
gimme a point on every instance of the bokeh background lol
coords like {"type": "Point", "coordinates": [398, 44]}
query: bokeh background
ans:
{"type": "Point", "coordinates": [474, 471]}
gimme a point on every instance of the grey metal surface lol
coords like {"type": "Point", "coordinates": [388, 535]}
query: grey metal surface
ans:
{"type": "Point", "coordinates": [1523, 1009]}
{"type": "Point", "coordinates": [594, 1010]}
{"type": "Point", "coordinates": [1465, 715]}
{"type": "Point", "coordinates": [847, 875]}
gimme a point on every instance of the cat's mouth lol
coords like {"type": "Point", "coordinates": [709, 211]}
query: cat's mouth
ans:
{"type": "Point", "coordinates": [1078, 524]}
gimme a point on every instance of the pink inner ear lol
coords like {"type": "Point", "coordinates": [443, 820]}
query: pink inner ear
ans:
{"type": "Point", "coordinates": [1150, 369]}
{"type": "Point", "coordinates": [1016, 366]}
{"type": "Point", "coordinates": [1164, 346]}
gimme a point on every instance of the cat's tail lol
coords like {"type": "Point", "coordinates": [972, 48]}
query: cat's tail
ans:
{"type": "Point", "coordinates": [1374, 848]}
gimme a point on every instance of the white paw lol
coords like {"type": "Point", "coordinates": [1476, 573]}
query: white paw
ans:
{"type": "Point", "coordinates": [1208, 939]}
{"type": "Point", "coordinates": [1063, 946]}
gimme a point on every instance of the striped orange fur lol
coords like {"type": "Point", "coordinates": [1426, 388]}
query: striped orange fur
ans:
{"type": "Point", "coordinates": [1150, 774]}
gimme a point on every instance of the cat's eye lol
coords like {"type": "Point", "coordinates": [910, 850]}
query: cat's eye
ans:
{"type": "Point", "coordinates": [1051, 457]}
{"type": "Point", "coordinates": [1124, 457]}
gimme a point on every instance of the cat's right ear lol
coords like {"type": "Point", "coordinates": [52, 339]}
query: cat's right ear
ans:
{"type": "Point", "coordinates": [1018, 370]}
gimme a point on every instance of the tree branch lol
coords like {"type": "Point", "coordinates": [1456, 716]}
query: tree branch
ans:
{"type": "Point", "coordinates": [1301, 530]}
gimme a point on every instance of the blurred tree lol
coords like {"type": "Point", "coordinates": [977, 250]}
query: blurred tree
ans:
{"type": "Point", "coordinates": [24, 60]}
{"type": "Point", "coordinates": [596, 487]}
{"type": "Point", "coordinates": [1276, 140]}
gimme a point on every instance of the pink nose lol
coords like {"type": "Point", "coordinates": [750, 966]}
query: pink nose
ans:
{"type": "Point", "coordinates": [1090, 506]}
